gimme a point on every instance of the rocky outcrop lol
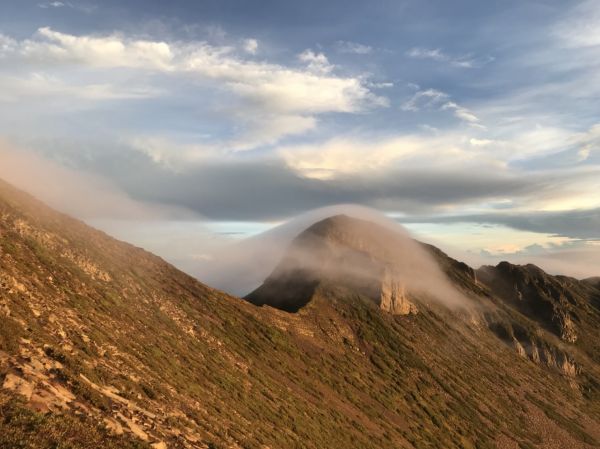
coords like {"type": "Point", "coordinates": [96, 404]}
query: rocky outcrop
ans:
{"type": "Point", "coordinates": [545, 299]}
{"type": "Point", "coordinates": [393, 297]}
{"type": "Point", "coordinates": [535, 347]}
{"type": "Point", "coordinates": [566, 326]}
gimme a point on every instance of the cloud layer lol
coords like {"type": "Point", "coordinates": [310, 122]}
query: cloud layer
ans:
{"type": "Point", "coordinates": [271, 100]}
{"type": "Point", "coordinates": [486, 118]}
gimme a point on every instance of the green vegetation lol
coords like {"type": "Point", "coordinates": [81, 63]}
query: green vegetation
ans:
{"type": "Point", "coordinates": [188, 361]}
{"type": "Point", "coordinates": [10, 333]}
{"type": "Point", "coordinates": [20, 428]}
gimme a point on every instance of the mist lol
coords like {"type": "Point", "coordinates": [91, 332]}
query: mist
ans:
{"type": "Point", "coordinates": [81, 194]}
{"type": "Point", "coordinates": [184, 238]}
{"type": "Point", "coordinates": [370, 245]}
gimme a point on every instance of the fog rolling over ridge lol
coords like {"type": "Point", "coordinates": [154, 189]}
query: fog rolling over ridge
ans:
{"type": "Point", "coordinates": [299, 225]}
{"type": "Point", "coordinates": [364, 243]}
{"type": "Point", "coordinates": [186, 237]}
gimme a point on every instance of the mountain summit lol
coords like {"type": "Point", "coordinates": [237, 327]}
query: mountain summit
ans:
{"type": "Point", "coordinates": [375, 260]}
{"type": "Point", "coordinates": [103, 344]}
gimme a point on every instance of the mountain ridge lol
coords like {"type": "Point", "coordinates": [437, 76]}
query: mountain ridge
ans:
{"type": "Point", "coordinates": [528, 321]}
{"type": "Point", "coordinates": [106, 341]}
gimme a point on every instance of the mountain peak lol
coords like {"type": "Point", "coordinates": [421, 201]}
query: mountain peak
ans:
{"type": "Point", "coordinates": [341, 223]}
{"type": "Point", "coordinates": [376, 260]}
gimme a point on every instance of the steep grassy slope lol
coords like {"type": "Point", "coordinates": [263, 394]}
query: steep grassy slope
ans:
{"type": "Point", "coordinates": [105, 345]}
{"type": "Point", "coordinates": [552, 321]}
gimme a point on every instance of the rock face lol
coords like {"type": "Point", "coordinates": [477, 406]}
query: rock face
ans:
{"type": "Point", "coordinates": [548, 318]}
{"type": "Point", "coordinates": [547, 299]}
{"type": "Point", "coordinates": [393, 297]}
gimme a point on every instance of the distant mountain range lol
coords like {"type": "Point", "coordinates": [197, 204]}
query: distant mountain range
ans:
{"type": "Point", "coordinates": [360, 338]}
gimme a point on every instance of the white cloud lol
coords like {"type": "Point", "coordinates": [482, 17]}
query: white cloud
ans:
{"type": "Point", "coordinates": [83, 7]}
{"type": "Point", "coordinates": [317, 62]}
{"type": "Point", "coordinates": [432, 98]}
{"type": "Point", "coordinates": [346, 156]}
{"type": "Point", "coordinates": [424, 53]}
{"type": "Point", "coordinates": [39, 85]}
{"type": "Point", "coordinates": [250, 46]}
{"type": "Point", "coordinates": [539, 140]}
{"type": "Point", "coordinates": [275, 99]}
{"type": "Point", "coordinates": [314, 90]}
{"type": "Point", "coordinates": [587, 142]}
{"type": "Point", "coordinates": [259, 131]}
{"type": "Point", "coordinates": [480, 142]}
{"type": "Point", "coordinates": [382, 85]}
{"type": "Point", "coordinates": [436, 54]}
{"type": "Point", "coordinates": [300, 92]}
{"type": "Point", "coordinates": [424, 98]}
{"type": "Point", "coordinates": [581, 26]}
{"type": "Point", "coordinates": [343, 156]}
{"type": "Point", "coordinates": [108, 51]}
{"type": "Point", "coordinates": [52, 5]}
{"type": "Point", "coordinates": [462, 113]}
{"type": "Point", "coordinates": [583, 154]}
{"type": "Point", "coordinates": [7, 45]}
{"type": "Point", "coordinates": [268, 130]}
{"type": "Point", "coordinates": [353, 47]}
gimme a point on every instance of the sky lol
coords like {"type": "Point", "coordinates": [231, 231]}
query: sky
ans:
{"type": "Point", "coordinates": [180, 125]}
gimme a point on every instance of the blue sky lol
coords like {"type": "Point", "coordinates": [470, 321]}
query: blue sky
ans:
{"type": "Point", "coordinates": [476, 124]}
